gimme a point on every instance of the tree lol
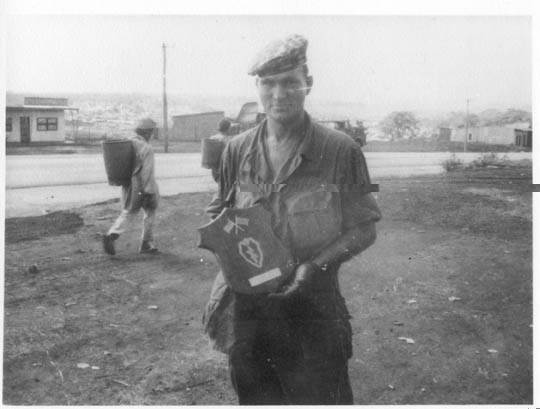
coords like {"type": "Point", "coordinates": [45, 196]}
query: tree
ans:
{"type": "Point", "coordinates": [474, 120]}
{"type": "Point", "coordinates": [459, 120]}
{"type": "Point", "coordinates": [399, 125]}
{"type": "Point", "coordinates": [489, 117]}
{"type": "Point", "coordinates": [515, 115]}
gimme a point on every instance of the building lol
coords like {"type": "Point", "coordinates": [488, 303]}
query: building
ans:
{"type": "Point", "coordinates": [36, 119]}
{"type": "Point", "coordinates": [444, 135]}
{"type": "Point", "coordinates": [194, 127]}
{"type": "Point", "coordinates": [524, 137]}
{"type": "Point", "coordinates": [512, 134]}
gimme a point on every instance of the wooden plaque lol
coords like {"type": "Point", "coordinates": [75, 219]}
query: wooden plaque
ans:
{"type": "Point", "coordinates": [252, 258]}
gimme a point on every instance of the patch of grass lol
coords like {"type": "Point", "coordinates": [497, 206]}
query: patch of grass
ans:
{"type": "Point", "coordinates": [35, 227]}
{"type": "Point", "coordinates": [485, 160]}
{"type": "Point", "coordinates": [445, 201]}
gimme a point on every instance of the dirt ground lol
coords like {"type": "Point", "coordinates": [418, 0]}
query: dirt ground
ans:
{"type": "Point", "coordinates": [441, 304]}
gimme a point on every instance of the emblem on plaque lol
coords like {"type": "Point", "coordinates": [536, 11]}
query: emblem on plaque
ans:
{"type": "Point", "coordinates": [252, 258]}
{"type": "Point", "coordinates": [250, 250]}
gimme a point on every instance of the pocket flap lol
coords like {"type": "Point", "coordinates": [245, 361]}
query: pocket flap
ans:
{"type": "Point", "coordinates": [310, 202]}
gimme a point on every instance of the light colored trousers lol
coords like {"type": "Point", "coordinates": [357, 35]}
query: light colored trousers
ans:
{"type": "Point", "coordinates": [127, 217]}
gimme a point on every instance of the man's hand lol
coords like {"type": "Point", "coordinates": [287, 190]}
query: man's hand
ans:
{"type": "Point", "coordinates": [348, 245]}
{"type": "Point", "coordinates": [148, 201]}
{"type": "Point", "coordinates": [303, 278]}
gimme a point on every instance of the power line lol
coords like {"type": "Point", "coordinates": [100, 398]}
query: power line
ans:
{"type": "Point", "coordinates": [165, 113]}
{"type": "Point", "coordinates": [466, 127]}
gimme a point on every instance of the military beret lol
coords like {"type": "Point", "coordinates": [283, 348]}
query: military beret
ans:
{"type": "Point", "coordinates": [280, 56]}
{"type": "Point", "coordinates": [146, 123]}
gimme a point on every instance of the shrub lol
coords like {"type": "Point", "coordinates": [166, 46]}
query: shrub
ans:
{"type": "Point", "coordinates": [488, 159]}
{"type": "Point", "coordinates": [452, 164]}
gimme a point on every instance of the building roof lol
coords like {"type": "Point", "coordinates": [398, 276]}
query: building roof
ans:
{"type": "Point", "coordinates": [199, 114]}
{"type": "Point", "coordinates": [39, 103]}
{"type": "Point", "coordinates": [524, 126]}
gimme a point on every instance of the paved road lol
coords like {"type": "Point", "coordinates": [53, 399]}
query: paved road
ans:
{"type": "Point", "coordinates": [55, 170]}
{"type": "Point", "coordinates": [37, 184]}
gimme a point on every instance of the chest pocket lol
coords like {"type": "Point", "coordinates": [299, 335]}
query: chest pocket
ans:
{"type": "Point", "coordinates": [314, 220]}
{"type": "Point", "coordinates": [247, 191]}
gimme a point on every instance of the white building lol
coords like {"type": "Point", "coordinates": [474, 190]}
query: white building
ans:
{"type": "Point", "coordinates": [35, 119]}
{"type": "Point", "coordinates": [491, 135]}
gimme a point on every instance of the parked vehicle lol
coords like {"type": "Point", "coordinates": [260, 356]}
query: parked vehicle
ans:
{"type": "Point", "coordinates": [248, 117]}
{"type": "Point", "coordinates": [358, 132]}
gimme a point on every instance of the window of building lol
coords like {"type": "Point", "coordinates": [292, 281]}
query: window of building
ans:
{"type": "Point", "coordinates": [47, 124]}
{"type": "Point", "coordinates": [9, 125]}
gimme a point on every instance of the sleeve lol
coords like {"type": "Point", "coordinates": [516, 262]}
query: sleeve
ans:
{"type": "Point", "coordinates": [358, 204]}
{"type": "Point", "coordinates": [218, 316]}
{"type": "Point", "coordinates": [147, 170]}
{"type": "Point", "coordinates": [137, 161]}
{"type": "Point", "coordinates": [226, 184]}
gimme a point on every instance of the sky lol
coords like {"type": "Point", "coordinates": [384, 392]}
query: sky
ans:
{"type": "Point", "coordinates": [430, 63]}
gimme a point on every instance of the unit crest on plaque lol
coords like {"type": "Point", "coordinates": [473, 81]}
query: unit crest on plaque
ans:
{"type": "Point", "coordinates": [252, 258]}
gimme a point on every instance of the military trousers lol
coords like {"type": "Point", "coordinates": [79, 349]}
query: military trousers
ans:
{"type": "Point", "coordinates": [127, 217]}
{"type": "Point", "coordinates": [279, 361]}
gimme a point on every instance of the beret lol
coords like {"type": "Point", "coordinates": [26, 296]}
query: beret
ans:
{"type": "Point", "coordinates": [146, 123]}
{"type": "Point", "coordinates": [280, 56]}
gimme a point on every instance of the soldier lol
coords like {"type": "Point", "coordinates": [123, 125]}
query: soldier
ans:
{"type": "Point", "coordinates": [142, 192]}
{"type": "Point", "coordinates": [293, 346]}
{"type": "Point", "coordinates": [223, 136]}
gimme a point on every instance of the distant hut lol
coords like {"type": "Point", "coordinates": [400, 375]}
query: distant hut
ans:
{"type": "Point", "coordinates": [36, 119]}
{"type": "Point", "coordinates": [511, 134]}
{"type": "Point", "coordinates": [523, 137]}
{"type": "Point", "coordinates": [444, 134]}
{"type": "Point", "coordinates": [194, 127]}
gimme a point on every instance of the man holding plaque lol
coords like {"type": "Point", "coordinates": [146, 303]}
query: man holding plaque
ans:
{"type": "Point", "coordinates": [292, 345]}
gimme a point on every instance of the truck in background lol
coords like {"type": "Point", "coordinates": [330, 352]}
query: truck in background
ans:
{"type": "Point", "coordinates": [358, 132]}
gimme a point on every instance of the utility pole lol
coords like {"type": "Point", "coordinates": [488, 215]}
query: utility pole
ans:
{"type": "Point", "coordinates": [466, 128]}
{"type": "Point", "coordinates": [165, 114]}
